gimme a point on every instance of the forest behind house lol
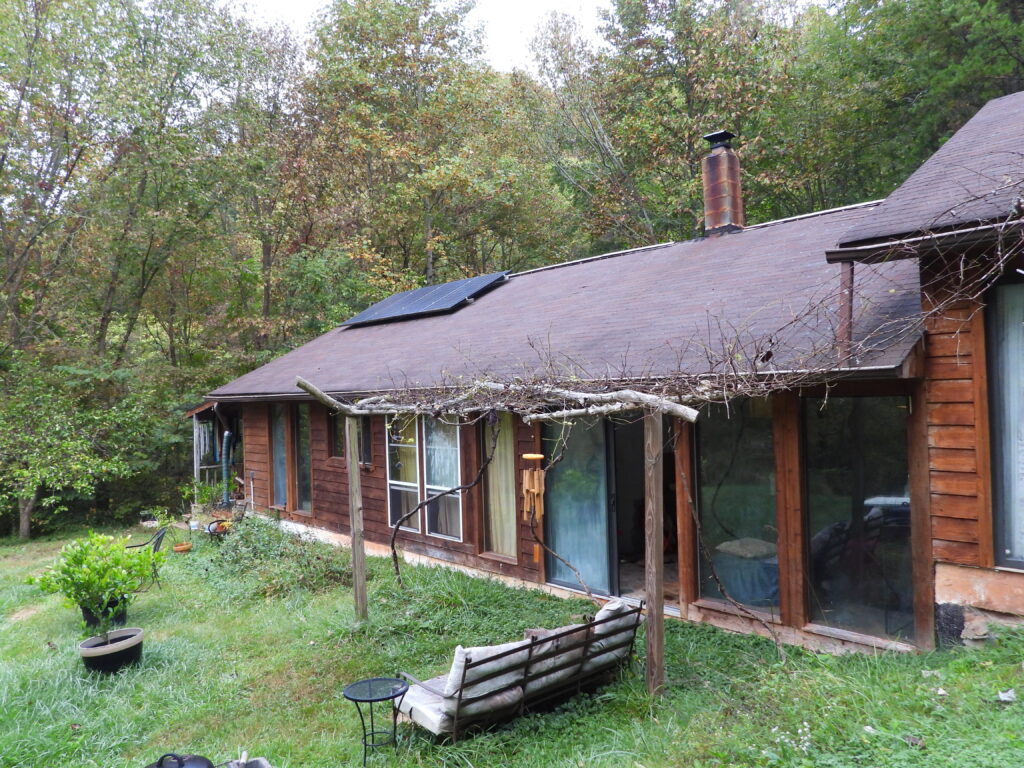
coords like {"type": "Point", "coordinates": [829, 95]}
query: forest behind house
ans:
{"type": "Point", "coordinates": [184, 195]}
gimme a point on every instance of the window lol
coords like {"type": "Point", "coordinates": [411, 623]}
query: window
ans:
{"type": "Point", "coordinates": [403, 472]}
{"type": "Point", "coordinates": [364, 437]}
{"type": "Point", "coordinates": [291, 459]}
{"type": "Point", "coordinates": [428, 449]}
{"type": "Point", "coordinates": [858, 515]}
{"type": "Point", "coordinates": [736, 502]}
{"type": "Point", "coordinates": [279, 451]}
{"type": "Point", "coordinates": [441, 464]}
{"type": "Point", "coordinates": [1006, 383]}
{"type": "Point", "coordinates": [303, 459]}
{"type": "Point", "coordinates": [500, 487]}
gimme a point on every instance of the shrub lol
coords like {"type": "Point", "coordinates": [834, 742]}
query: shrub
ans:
{"type": "Point", "coordinates": [98, 572]}
{"type": "Point", "coordinates": [280, 562]}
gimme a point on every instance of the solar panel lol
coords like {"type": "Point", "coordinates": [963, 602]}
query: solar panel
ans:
{"type": "Point", "coordinates": [428, 300]}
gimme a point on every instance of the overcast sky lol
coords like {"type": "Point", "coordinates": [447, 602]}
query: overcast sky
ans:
{"type": "Point", "coordinates": [508, 25]}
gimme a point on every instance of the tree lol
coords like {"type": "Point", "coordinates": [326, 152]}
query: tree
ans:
{"type": "Point", "coordinates": [632, 116]}
{"type": "Point", "coordinates": [53, 440]}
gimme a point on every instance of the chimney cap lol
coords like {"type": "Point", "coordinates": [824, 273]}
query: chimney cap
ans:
{"type": "Point", "coordinates": [720, 138]}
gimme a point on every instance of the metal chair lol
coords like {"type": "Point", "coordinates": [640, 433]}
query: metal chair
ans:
{"type": "Point", "coordinates": [155, 541]}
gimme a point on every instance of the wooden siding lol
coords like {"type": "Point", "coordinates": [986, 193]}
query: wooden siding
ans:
{"type": "Point", "coordinates": [330, 493]}
{"type": "Point", "coordinates": [956, 403]}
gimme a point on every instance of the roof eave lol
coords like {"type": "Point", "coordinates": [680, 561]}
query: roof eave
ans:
{"type": "Point", "coordinates": [921, 245]}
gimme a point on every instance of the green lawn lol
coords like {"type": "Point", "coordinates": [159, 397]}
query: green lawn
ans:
{"type": "Point", "coordinates": [227, 669]}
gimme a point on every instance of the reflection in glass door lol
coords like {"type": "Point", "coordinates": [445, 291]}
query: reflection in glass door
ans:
{"type": "Point", "coordinates": [576, 514]}
{"type": "Point", "coordinates": [859, 515]}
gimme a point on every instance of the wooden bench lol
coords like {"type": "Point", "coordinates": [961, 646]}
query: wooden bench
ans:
{"type": "Point", "coordinates": [494, 683]}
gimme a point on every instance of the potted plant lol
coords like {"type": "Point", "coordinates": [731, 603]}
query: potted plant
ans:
{"type": "Point", "coordinates": [101, 577]}
{"type": "Point", "coordinates": [202, 497]}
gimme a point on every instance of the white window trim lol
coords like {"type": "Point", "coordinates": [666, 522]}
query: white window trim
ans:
{"type": "Point", "coordinates": [415, 487]}
{"type": "Point", "coordinates": [421, 482]}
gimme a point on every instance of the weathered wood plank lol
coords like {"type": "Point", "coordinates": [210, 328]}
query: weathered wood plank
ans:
{"type": "Point", "coordinates": [959, 552]}
{"type": "Point", "coordinates": [952, 437]}
{"type": "Point", "coordinates": [954, 506]}
{"type": "Point", "coordinates": [951, 414]}
{"type": "Point", "coordinates": [654, 557]}
{"type": "Point", "coordinates": [941, 368]}
{"type": "Point", "coordinates": [949, 345]}
{"type": "Point", "coordinates": [955, 529]}
{"type": "Point", "coordinates": [953, 459]}
{"type": "Point", "coordinates": [954, 483]}
{"type": "Point", "coordinates": [951, 391]}
{"type": "Point", "coordinates": [355, 516]}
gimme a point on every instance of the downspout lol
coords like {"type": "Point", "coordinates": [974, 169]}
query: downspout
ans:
{"type": "Point", "coordinates": [845, 313]}
{"type": "Point", "coordinates": [225, 466]}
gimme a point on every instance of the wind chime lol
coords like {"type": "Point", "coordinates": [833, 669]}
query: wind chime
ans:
{"type": "Point", "coordinates": [533, 495]}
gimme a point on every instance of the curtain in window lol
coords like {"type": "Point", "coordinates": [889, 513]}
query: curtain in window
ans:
{"type": "Point", "coordinates": [1006, 356]}
{"type": "Point", "coordinates": [441, 457]}
{"type": "Point", "coordinates": [576, 506]}
{"type": "Point", "coordinates": [500, 489]}
{"type": "Point", "coordinates": [403, 471]}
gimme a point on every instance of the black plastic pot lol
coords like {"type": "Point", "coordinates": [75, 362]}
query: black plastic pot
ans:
{"type": "Point", "coordinates": [116, 612]}
{"type": "Point", "coordinates": [110, 652]}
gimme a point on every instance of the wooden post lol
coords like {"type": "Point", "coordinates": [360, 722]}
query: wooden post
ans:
{"type": "Point", "coordinates": [355, 516]}
{"type": "Point", "coordinates": [654, 559]}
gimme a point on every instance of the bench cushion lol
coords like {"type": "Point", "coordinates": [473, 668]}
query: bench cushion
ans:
{"type": "Point", "coordinates": [437, 713]}
{"type": "Point", "coordinates": [617, 632]}
{"type": "Point", "coordinates": [561, 655]}
{"type": "Point", "coordinates": [427, 709]}
{"type": "Point", "coordinates": [468, 655]}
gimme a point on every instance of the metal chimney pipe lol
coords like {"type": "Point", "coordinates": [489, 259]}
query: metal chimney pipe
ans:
{"type": "Point", "coordinates": [723, 195]}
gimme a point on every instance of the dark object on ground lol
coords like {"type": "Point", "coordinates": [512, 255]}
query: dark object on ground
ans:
{"type": "Point", "coordinates": [155, 541]}
{"type": "Point", "coordinates": [492, 684]}
{"type": "Point", "coordinates": [112, 651]}
{"type": "Point", "coordinates": [171, 760]}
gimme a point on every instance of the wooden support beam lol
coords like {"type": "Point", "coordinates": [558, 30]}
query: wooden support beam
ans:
{"type": "Point", "coordinates": [355, 516]}
{"type": "Point", "coordinates": [789, 502]}
{"type": "Point", "coordinates": [686, 559]}
{"type": "Point", "coordinates": [654, 559]}
{"type": "Point", "coordinates": [922, 560]}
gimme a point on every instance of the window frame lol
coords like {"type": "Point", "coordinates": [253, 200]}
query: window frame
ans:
{"type": "Point", "coordinates": [405, 485]}
{"type": "Point", "coordinates": [999, 462]}
{"type": "Point", "coordinates": [336, 441]}
{"type": "Point", "coordinates": [423, 491]}
{"type": "Point", "coordinates": [290, 427]}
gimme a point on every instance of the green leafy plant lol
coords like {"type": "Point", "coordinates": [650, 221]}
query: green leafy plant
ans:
{"type": "Point", "coordinates": [98, 573]}
{"type": "Point", "coordinates": [201, 493]}
{"type": "Point", "coordinates": [269, 561]}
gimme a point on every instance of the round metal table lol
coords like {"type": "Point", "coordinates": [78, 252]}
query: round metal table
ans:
{"type": "Point", "coordinates": [370, 692]}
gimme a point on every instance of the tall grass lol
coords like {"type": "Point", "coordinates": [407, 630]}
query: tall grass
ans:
{"type": "Point", "coordinates": [227, 668]}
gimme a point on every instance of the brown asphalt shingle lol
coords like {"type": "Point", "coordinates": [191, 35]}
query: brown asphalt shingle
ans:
{"type": "Point", "coordinates": [655, 311]}
{"type": "Point", "coordinates": [976, 176]}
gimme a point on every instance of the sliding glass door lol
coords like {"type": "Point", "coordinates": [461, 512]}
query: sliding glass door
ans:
{"type": "Point", "coordinates": [577, 523]}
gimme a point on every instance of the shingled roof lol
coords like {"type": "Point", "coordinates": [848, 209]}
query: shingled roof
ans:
{"type": "Point", "coordinates": [655, 311]}
{"type": "Point", "coordinates": [977, 176]}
